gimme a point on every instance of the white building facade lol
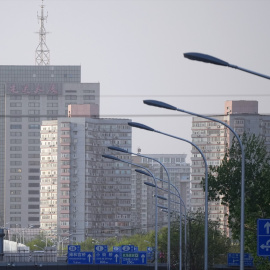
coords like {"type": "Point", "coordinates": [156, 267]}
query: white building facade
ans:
{"type": "Point", "coordinates": [82, 194]}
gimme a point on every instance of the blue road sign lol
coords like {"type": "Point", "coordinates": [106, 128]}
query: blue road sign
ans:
{"type": "Point", "coordinates": [234, 259]}
{"type": "Point", "coordinates": [101, 248]}
{"type": "Point", "coordinates": [127, 248]}
{"type": "Point", "coordinates": [263, 237]}
{"type": "Point", "coordinates": [107, 258]}
{"type": "Point", "coordinates": [136, 249]}
{"type": "Point", "coordinates": [80, 257]}
{"type": "Point", "coordinates": [134, 257]}
{"type": "Point", "coordinates": [74, 248]}
{"type": "Point", "coordinates": [117, 249]}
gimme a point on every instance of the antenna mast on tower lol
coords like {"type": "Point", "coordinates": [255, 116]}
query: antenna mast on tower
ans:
{"type": "Point", "coordinates": [42, 51]}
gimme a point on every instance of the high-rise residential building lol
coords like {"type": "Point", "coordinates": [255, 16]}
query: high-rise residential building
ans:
{"type": "Point", "coordinates": [83, 194]}
{"type": "Point", "coordinates": [29, 95]}
{"type": "Point", "coordinates": [143, 202]}
{"type": "Point", "coordinates": [213, 139]}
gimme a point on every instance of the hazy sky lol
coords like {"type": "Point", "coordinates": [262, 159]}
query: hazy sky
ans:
{"type": "Point", "coordinates": [135, 50]}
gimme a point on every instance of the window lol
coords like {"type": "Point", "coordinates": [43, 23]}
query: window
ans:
{"type": "Point", "coordinates": [33, 134]}
{"type": "Point", "coordinates": [17, 97]}
{"type": "Point", "coordinates": [15, 192]}
{"type": "Point", "coordinates": [52, 112]}
{"type": "Point", "coordinates": [32, 112]}
{"type": "Point", "coordinates": [33, 141]}
{"type": "Point", "coordinates": [15, 170]}
{"type": "Point", "coordinates": [15, 104]}
{"type": "Point", "coordinates": [15, 112]}
{"type": "Point", "coordinates": [33, 148]}
{"type": "Point", "coordinates": [88, 97]}
{"type": "Point", "coordinates": [52, 97]}
{"type": "Point", "coordinates": [33, 119]}
{"type": "Point", "coordinates": [33, 199]}
{"type": "Point", "coordinates": [16, 134]}
{"type": "Point", "coordinates": [71, 97]}
{"type": "Point", "coordinates": [36, 97]}
{"type": "Point", "coordinates": [14, 163]}
{"type": "Point", "coordinates": [15, 119]}
{"type": "Point", "coordinates": [15, 126]}
{"type": "Point", "coordinates": [33, 206]}
{"type": "Point", "coordinates": [15, 141]}
{"type": "Point", "coordinates": [33, 177]}
{"type": "Point", "coordinates": [33, 170]}
{"type": "Point", "coordinates": [34, 126]}
{"type": "Point", "coordinates": [52, 104]}
{"type": "Point", "coordinates": [15, 177]}
{"type": "Point", "coordinates": [15, 155]}
{"type": "Point", "coordinates": [33, 104]}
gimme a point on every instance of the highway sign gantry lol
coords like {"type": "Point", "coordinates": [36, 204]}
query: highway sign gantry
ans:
{"type": "Point", "coordinates": [263, 237]}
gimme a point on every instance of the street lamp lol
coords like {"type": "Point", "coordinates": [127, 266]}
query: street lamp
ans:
{"type": "Point", "coordinates": [160, 104]}
{"type": "Point", "coordinates": [156, 214]}
{"type": "Point", "coordinates": [180, 210]}
{"type": "Point", "coordinates": [216, 61]}
{"type": "Point", "coordinates": [169, 198]}
{"type": "Point", "coordinates": [141, 126]}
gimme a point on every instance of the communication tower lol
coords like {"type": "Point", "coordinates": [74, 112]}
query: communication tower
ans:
{"type": "Point", "coordinates": [42, 50]}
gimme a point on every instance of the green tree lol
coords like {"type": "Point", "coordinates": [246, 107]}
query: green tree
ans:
{"type": "Point", "coordinates": [218, 244]}
{"type": "Point", "coordinates": [225, 185]}
{"type": "Point", "coordinates": [39, 243]}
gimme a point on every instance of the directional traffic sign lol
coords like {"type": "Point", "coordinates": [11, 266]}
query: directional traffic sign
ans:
{"type": "Point", "coordinates": [127, 248]}
{"type": "Point", "coordinates": [234, 259]}
{"type": "Point", "coordinates": [117, 249]}
{"type": "Point", "coordinates": [80, 257]}
{"type": "Point", "coordinates": [74, 248]}
{"type": "Point", "coordinates": [101, 248]}
{"type": "Point", "coordinates": [134, 257]}
{"type": "Point", "coordinates": [107, 258]}
{"type": "Point", "coordinates": [263, 237]}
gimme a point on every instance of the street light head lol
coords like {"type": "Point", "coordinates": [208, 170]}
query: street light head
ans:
{"type": "Point", "coordinates": [206, 58]}
{"type": "Point", "coordinates": [149, 184]}
{"type": "Point", "coordinates": [159, 104]}
{"type": "Point", "coordinates": [143, 172]}
{"type": "Point", "coordinates": [141, 126]}
{"type": "Point", "coordinates": [160, 197]}
{"type": "Point", "coordinates": [115, 148]}
{"type": "Point", "coordinates": [111, 157]}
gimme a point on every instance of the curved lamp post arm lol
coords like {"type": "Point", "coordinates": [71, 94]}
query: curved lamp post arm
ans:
{"type": "Point", "coordinates": [141, 126]}
{"type": "Point", "coordinates": [169, 198]}
{"type": "Point", "coordinates": [156, 202]}
{"type": "Point", "coordinates": [216, 61]}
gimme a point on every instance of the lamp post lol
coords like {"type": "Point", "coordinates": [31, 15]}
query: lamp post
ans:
{"type": "Point", "coordinates": [169, 198]}
{"type": "Point", "coordinates": [242, 229]}
{"type": "Point", "coordinates": [156, 214]}
{"type": "Point", "coordinates": [216, 61]}
{"type": "Point", "coordinates": [169, 213]}
{"type": "Point", "coordinates": [141, 126]}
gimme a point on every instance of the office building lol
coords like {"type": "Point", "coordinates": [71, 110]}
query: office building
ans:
{"type": "Point", "coordinates": [29, 95]}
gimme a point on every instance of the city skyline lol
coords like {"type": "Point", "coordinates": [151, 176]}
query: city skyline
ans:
{"type": "Point", "coordinates": [135, 50]}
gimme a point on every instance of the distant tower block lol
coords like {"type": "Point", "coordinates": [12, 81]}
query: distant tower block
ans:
{"type": "Point", "coordinates": [42, 51]}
